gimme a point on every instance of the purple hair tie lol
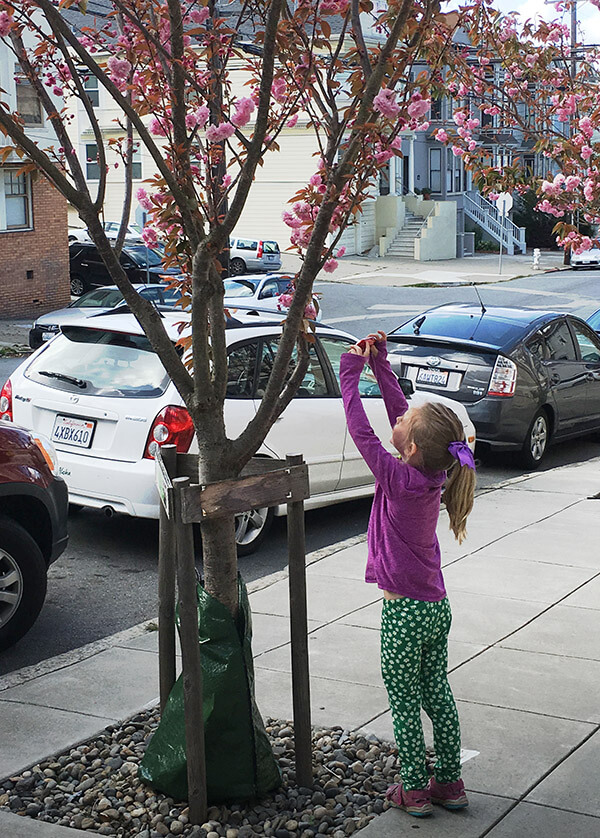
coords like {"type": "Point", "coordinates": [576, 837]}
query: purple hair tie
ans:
{"type": "Point", "coordinates": [461, 452]}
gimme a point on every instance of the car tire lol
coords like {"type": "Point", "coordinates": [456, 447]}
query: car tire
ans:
{"type": "Point", "coordinates": [251, 529]}
{"type": "Point", "coordinates": [23, 581]}
{"type": "Point", "coordinates": [78, 285]}
{"type": "Point", "coordinates": [237, 266]}
{"type": "Point", "coordinates": [536, 440]}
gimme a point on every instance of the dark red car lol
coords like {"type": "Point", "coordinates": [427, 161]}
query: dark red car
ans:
{"type": "Point", "coordinates": [33, 527]}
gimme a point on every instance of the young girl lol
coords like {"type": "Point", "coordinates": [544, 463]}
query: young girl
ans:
{"type": "Point", "coordinates": [404, 561]}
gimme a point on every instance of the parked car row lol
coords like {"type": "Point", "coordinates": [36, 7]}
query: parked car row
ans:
{"type": "Point", "coordinates": [103, 397]}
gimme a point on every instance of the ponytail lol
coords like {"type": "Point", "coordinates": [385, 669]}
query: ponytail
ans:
{"type": "Point", "coordinates": [458, 497]}
{"type": "Point", "coordinates": [434, 429]}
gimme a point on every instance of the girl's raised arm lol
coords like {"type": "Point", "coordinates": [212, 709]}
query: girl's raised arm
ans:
{"type": "Point", "coordinates": [391, 392]}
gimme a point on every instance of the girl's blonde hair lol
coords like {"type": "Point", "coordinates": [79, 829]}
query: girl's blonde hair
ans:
{"type": "Point", "coordinates": [433, 428]}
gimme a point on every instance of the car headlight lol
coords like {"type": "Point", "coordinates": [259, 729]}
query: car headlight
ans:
{"type": "Point", "coordinates": [48, 452]}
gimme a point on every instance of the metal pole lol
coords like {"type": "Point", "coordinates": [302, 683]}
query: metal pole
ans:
{"type": "Point", "coordinates": [501, 237]}
{"type": "Point", "coordinates": [299, 636]}
{"type": "Point", "coordinates": [166, 589]}
{"type": "Point", "coordinates": [190, 653]}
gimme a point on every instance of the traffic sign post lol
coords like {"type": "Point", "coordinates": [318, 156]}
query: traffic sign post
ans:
{"type": "Point", "coordinates": [504, 203]}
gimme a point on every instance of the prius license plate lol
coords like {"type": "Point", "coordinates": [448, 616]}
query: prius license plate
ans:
{"type": "Point", "coordinates": [437, 378]}
{"type": "Point", "coordinates": [70, 430]}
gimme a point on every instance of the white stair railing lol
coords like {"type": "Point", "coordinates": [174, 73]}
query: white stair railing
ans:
{"type": "Point", "coordinates": [486, 214]}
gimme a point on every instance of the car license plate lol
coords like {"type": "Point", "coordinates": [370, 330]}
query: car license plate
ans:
{"type": "Point", "coordinates": [438, 378]}
{"type": "Point", "coordinates": [69, 430]}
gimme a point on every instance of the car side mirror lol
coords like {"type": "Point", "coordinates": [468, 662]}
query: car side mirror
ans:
{"type": "Point", "coordinates": [408, 388]}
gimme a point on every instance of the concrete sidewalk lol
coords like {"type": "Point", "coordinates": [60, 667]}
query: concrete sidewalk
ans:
{"type": "Point", "coordinates": [524, 660]}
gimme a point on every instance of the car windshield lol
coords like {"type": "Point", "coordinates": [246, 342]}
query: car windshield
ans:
{"type": "Point", "coordinates": [240, 287]}
{"type": "Point", "coordinates": [490, 329]}
{"type": "Point", "coordinates": [594, 320]}
{"type": "Point", "coordinates": [143, 256]}
{"type": "Point", "coordinates": [95, 362]}
{"type": "Point", "coordinates": [100, 297]}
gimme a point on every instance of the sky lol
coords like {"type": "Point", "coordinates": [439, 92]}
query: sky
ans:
{"type": "Point", "coordinates": [588, 16]}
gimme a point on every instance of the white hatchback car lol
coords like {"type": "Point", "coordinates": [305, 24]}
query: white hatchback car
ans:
{"type": "Point", "coordinates": [102, 395]}
{"type": "Point", "coordinates": [263, 291]}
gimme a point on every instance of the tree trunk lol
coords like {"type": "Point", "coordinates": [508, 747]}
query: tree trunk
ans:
{"type": "Point", "coordinates": [220, 560]}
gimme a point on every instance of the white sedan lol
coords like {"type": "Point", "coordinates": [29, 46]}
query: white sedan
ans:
{"type": "Point", "coordinates": [103, 397]}
{"type": "Point", "coordinates": [263, 291]}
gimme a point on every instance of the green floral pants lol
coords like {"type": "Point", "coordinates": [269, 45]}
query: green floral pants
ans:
{"type": "Point", "coordinates": [414, 664]}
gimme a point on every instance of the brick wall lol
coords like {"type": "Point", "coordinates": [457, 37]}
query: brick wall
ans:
{"type": "Point", "coordinates": [34, 264]}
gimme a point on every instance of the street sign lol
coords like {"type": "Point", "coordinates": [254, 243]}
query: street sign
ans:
{"type": "Point", "coordinates": [504, 203]}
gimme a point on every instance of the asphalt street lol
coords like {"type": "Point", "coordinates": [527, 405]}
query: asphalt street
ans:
{"type": "Point", "coordinates": [106, 580]}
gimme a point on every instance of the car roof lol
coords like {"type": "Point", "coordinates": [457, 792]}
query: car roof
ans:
{"type": "Point", "coordinates": [124, 322]}
{"type": "Point", "coordinates": [497, 327]}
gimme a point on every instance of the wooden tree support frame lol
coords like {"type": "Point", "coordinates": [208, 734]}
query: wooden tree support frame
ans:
{"type": "Point", "coordinates": [263, 482]}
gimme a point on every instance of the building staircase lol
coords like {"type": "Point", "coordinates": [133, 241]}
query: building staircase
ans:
{"type": "Point", "coordinates": [403, 245]}
{"type": "Point", "coordinates": [486, 215]}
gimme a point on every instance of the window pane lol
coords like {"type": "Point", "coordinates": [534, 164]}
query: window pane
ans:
{"type": "Point", "coordinates": [435, 169]}
{"type": "Point", "coordinates": [558, 340]}
{"type": "Point", "coordinates": [367, 384]}
{"type": "Point", "coordinates": [240, 370]}
{"type": "Point", "coordinates": [313, 383]}
{"type": "Point", "coordinates": [91, 157]}
{"type": "Point", "coordinates": [28, 104]}
{"type": "Point", "coordinates": [16, 200]}
{"type": "Point", "coordinates": [91, 88]}
{"type": "Point", "coordinates": [587, 347]}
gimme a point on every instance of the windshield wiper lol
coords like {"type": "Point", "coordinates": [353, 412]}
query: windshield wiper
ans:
{"type": "Point", "coordinates": [78, 382]}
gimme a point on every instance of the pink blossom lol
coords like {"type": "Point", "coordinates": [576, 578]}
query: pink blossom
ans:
{"type": "Point", "coordinates": [586, 152]}
{"type": "Point", "coordinates": [6, 23]}
{"type": "Point", "coordinates": [383, 156]}
{"type": "Point", "coordinates": [315, 180]}
{"type": "Point", "coordinates": [119, 69]}
{"type": "Point", "coordinates": [471, 124]}
{"type": "Point", "coordinates": [144, 199]}
{"type": "Point", "coordinates": [200, 15]}
{"type": "Point", "coordinates": [291, 220]}
{"type": "Point", "coordinates": [441, 135]}
{"type": "Point", "coordinates": [457, 151]}
{"type": "Point", "coordinates": [472, 145]}
{"type": "Point", "coordinates": [385, 103]}
{"type": "Point", "coordinates": [226, 182]}
{"type": "Point", "coordinates": [548, 208]}
{"type": "Point", "coordinates": [588, 190]}
{"type": "Point", "coordinates": [586, 126]}
{"type": "Point", "coordinates": [243, 111]}
{"type": "Point", "coordinates": [279, 90]}
{"type": "Point", "coordinates": [330, 266]}
{"type": "Point", "coordinates": [459, 117]}
{"type": "Point", "coordinates": [530, 60]}
{"type": "Point", "coordinates": [418, 107]}
{"type": "Point", "coordinates": [156, 127]}
{"type": "Point", "coordinates": [284, 301]}
{"type": "Point", "coordinates": [150, 237]}
{"type": "Point", "coordinates": [422, 126]}
{"type": "Point", "coordinates": [493, 196]}
{"type": "Point", "coordinates": [58, 91]}
{"type": "Point", "coordinates": [341, 252]}
{"type": "Point", "coordinates": [216, 133]}
{"type": "Point", "coordinates": [292, 120]}
{"type": "Point", "coordinates": [396, 143]}
{"type": "Point", "coordinates": [572, 182]}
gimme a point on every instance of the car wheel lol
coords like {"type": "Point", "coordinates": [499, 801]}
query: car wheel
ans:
{"type": "Point", "coordinates": [23, 582]}
{"type": "Point", "coordinates": [237, 266]}
{"type": "Point", "coordinates": [78, 285]}
{"type": "Point", "coordinates": [536, 440]}
{"type": "Point", "coordinates": [251, 529]}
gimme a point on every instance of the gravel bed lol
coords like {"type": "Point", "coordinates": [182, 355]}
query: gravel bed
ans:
{"type": "Point", "coordinates": [95, 787]}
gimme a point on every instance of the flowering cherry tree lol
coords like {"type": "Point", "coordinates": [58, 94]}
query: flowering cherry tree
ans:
{"type": "Point", "coordinates": [170, 69]}
{"type": "Point", "coordinates": [525, 78]}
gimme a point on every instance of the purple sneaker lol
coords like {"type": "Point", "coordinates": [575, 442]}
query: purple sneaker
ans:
{"type": "Point", "coordinates": [416, 802]}
{"type": "Point", "coordinates": [448, 795]}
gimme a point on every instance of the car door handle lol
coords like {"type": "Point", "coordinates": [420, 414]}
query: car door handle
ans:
{"type": "Point", "coordinates": [84, 264]}
{"type": "Point", "coordinates": [593, 376]}
{"type": "Point", "coordinates": [555, 378]}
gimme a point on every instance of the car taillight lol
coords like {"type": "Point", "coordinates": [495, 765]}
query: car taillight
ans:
{"type": "Point", "coordinates": [260, 250]}
{"type": "Point", "coordinates": [172, 426]}
{"type": "Point", "coordinates": [6, 411]}
{"type": "Point", "coordinates": [504, 377]}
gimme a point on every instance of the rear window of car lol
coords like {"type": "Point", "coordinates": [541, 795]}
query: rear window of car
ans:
{"type": "Point", "coordinates": [95, 362]}
{"type": "Point", "coordinates": [98, 298]}
{"type": "Point", "coordinates": [483, 328]}
{"type": "Point", "coordinates": [239, 287]}
{"type": "Point", "coordinates": [143, 256]}
{"type": "Point", "coordinates": [594, 321]}
{"type": "Point", "coordinates": [270, 247]}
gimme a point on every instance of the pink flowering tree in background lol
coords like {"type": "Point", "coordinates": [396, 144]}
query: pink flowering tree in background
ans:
{"type": "Point", "coordinates": [524, 77]}
{"type": "Point", "coordinates": [168, 69]}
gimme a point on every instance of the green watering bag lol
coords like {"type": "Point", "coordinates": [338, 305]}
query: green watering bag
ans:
{"type": "Point", "coordinates": [239, 760]}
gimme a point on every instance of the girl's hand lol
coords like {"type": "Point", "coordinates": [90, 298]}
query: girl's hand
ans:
{"type": "Point", "coordinates": [379, 337]}
{"type": "Point", "coordinates": [362, 349]}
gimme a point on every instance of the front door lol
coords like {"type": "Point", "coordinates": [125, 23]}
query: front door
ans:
{"type": "Point", "coordinates": [588, 345]}
{"type": "Point", "coordinates": [565, 374]}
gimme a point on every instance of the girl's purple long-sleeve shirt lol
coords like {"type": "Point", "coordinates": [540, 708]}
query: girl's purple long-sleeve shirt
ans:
{"type": "Point", "coordinates": [404, 552]}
